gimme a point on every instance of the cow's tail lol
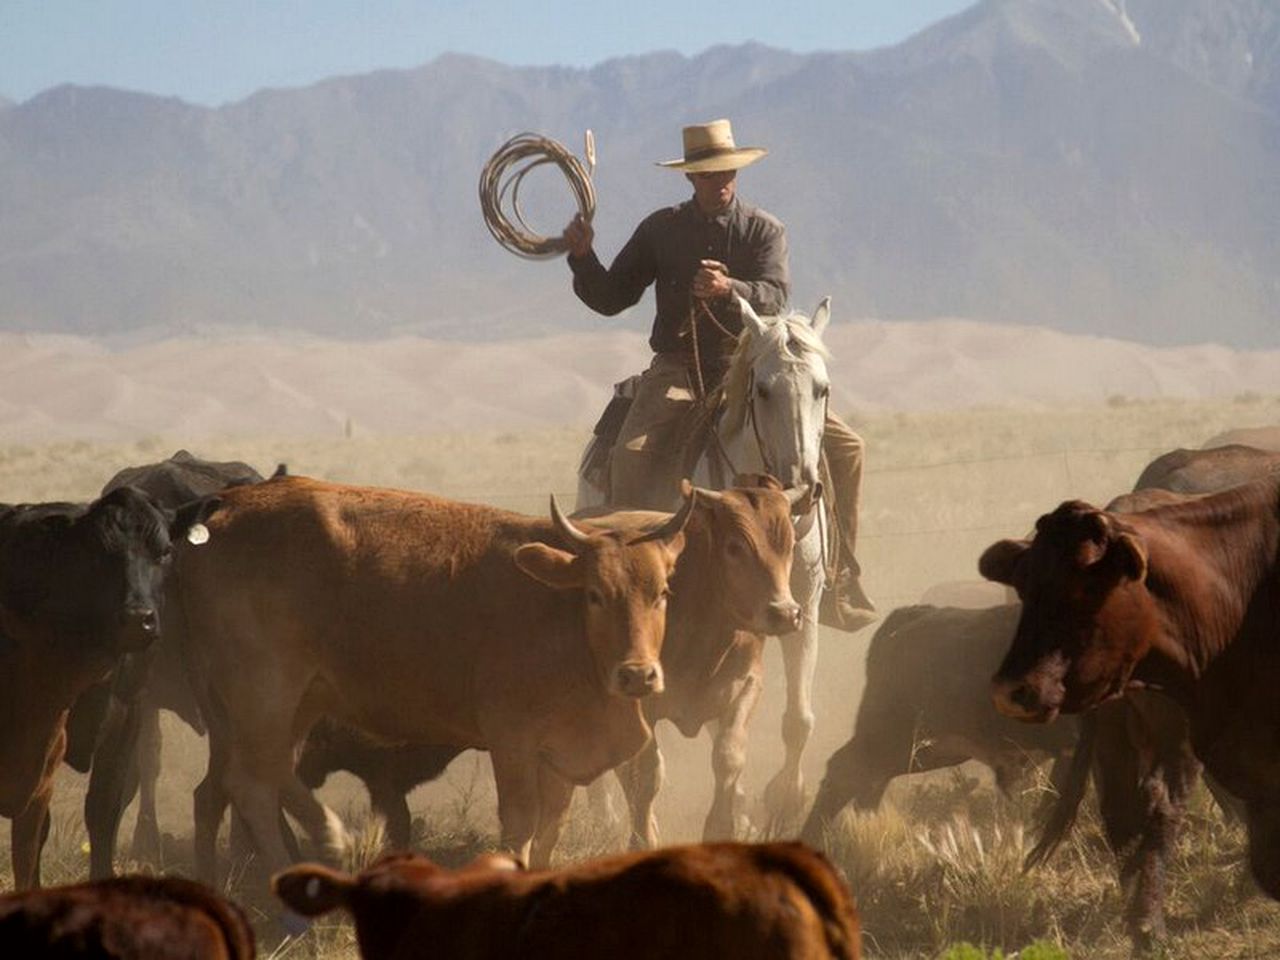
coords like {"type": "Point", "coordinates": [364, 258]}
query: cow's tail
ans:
{"type": "Point", "coordinates": [1062, 815]}
{"type": "Point", "coordinates": [817, 879]}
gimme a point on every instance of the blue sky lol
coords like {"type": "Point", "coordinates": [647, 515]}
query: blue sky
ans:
{"type": "Point", "coordinates": [215, 51]}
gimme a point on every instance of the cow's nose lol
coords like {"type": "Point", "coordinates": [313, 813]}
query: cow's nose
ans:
{"type": "Point", "coordinates": [142, 619]}
{"type": "Point", "coordinates": [1023, 700]}
{"type": "Point", "coordinates": [638, 679]}
{"type": "Point", "coordinates": [785, 616]}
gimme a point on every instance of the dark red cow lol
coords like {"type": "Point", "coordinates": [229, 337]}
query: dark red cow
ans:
{"type": "Point", "coordinates": [125, 918]}
{"type": "Point", "coordinates": [749, 902]}
{"type": "Point", "coordinates": [1183, 597]}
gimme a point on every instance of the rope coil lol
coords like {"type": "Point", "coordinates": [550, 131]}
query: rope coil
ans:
{"type": "Point", "coordinates": [500, 188]}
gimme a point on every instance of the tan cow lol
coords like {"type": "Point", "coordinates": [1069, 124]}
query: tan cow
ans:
{"type": "Point", "coordinates": [417, 619]}
{"type": "Point", "coordinates": [732, 578]}
{"type": "Point", "coordinates": [773, 901]}
{"type": "Point", "coordinates": [731, 588]}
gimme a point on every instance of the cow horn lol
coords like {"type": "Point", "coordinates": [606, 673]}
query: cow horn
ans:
{"type": "Point", "coordinates": [677, 521]}
{"type": "Point", "coordinates": [570, 532]}
{"type": "Point", "coordinates": [687, 489]}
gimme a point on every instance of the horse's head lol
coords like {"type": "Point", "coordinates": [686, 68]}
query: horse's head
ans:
{"type": "Point", "coordinates": [777, 391]}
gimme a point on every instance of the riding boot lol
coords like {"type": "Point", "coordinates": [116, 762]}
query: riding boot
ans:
{"type": "Point", "coordinates": [845, 604]}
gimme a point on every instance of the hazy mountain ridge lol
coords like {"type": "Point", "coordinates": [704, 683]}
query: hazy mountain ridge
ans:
{"type": "Point", "coordinates": [1024, 161]}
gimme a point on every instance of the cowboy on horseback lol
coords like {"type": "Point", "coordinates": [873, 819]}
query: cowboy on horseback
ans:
{"type": "Point", "coordinates": [702, 256]}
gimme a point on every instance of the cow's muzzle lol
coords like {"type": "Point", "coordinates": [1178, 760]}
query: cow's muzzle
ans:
{"type": "Point", "coordinates": [139, 627]}
{"type": "Point", "coordinates": [638, 679]}
{"type": "Point", "coordinates": [782, 617]}
{"type": "Point", "coordinates": [1027, 699]}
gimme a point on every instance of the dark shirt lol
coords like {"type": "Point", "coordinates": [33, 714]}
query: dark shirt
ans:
{"type": "Point", "coordinates": [665, 250]}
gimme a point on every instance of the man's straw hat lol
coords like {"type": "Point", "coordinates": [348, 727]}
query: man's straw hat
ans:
{"type": "Point", "coordinates": [709, 148]}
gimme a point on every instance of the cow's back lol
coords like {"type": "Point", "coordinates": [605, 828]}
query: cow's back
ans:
{"type": "Point", "coordinates": [130, 918]}
{"type": "Point", "coordinates": [928, 670]}
{"type": "Point", "coordinates": [388, 597]}
{"type": "Point", "coordinates": [1209, 470]}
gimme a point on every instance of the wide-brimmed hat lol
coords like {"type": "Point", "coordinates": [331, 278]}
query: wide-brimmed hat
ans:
{"type": "Point", "coordinates": [709, 148]}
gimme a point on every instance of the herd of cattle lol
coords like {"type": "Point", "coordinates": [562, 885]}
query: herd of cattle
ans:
{"type": "Point", "coordinates": [308, 627]}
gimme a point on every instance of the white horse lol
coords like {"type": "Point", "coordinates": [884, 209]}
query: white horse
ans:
{"type": "Point", "coordinates": [776, 394]}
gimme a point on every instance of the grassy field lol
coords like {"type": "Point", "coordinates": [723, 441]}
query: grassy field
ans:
{"type": "Point", "coordinates": [940, 862]}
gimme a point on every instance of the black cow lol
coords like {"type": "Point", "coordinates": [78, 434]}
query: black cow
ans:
{"type": "Point", "coordinates": [115, 726]}
{"type": "Point", "coordinates": [79, 589]}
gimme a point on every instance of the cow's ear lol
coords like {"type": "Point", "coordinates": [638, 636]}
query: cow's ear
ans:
{"type": "Point", "coordinates": [556, 568]}
{"type": "Point", "coordinates": [311, 889]}
{"type": "Point", "coordinates": [187, 522]}
{"type": "Point", "coordinates": [1132, 556]}
{"type": "Point", "coordinates": [1000, 561]}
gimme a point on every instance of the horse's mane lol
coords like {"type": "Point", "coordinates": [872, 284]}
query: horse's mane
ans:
{"type": "Point", "coordinates": [789, 335]}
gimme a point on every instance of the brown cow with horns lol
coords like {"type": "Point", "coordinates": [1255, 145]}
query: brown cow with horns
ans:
{"type": "Point", "coordinates": [417, 619]}
{"type": "Point", "coordinates": [1184, 597]}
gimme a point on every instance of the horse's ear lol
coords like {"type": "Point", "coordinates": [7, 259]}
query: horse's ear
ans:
{"type": "Point", "coordinates": [750, 320]}
{"type": "Point", "coordinates": [821, 316]}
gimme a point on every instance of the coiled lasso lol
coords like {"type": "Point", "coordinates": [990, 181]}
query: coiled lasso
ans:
{"type": "Point", "coordinates": [500, 188]}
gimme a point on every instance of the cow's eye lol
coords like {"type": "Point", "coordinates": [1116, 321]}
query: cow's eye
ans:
{"type": "Point", "coordinates": [735, 548]}
{"type": "Point", "coordinates": [595, 597]}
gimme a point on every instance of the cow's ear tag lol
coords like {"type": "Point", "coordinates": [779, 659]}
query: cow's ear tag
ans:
{"type": "Point", "coordinates": [198, 534]}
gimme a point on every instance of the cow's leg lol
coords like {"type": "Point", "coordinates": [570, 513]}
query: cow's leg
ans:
{"type": "Point", "coordinates": [728, 758]}
{"type": "Point", "coordinates": [146, 833]}
{"type": "Point", "coordinates": [390, 803]}
{"type": "Point", "coordinates": [325, 827]}
{"type": "Point", "coordinates": [112, 783]}
{"type": "Point", "coordinates": [858, 773]}
{"type": "Point", "coordinates": [28, 833]}
{"type": "Point", "coordinates": [211, 800]}
{"type": "Point", "coordinates": [601, 803]}
{"type": "Point", "coordinates": [641, 778]}
{"type": "Point", "coordinates": [784, 795]}
{"type": "Point", "coordinates": [515, 775]}
{"type": "Point", "coordinates": [554, 795]}
{"type": "Point", "coordinates": [1263, 822]}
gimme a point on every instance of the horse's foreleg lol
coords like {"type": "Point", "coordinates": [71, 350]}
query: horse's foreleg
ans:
{"type": "Point", "coordinates": [784, 796]}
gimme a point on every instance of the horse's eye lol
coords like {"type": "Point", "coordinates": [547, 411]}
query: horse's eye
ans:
{"type": "Point", "coordinates": [762, 392]}
{"type": "Point", "coordinates": [595, 597]}
{"type": "Point", "coordinates": [822, 392]}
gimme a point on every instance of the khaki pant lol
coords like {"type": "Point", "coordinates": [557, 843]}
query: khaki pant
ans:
{"type": "Point", "coordinates": [645, 467]}
{"type": "Point", "coordinates": [844, 451]}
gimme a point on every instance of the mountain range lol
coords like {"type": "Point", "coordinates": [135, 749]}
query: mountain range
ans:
{"type": "Point", "coordinates": [1093, 166]}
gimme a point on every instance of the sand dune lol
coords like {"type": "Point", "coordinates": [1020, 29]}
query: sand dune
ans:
{"type": "Point", "coordinates": [65, 388]}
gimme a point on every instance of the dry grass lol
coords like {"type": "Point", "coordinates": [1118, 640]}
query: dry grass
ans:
{"type": "Point", "coordinates": [940, 863]}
